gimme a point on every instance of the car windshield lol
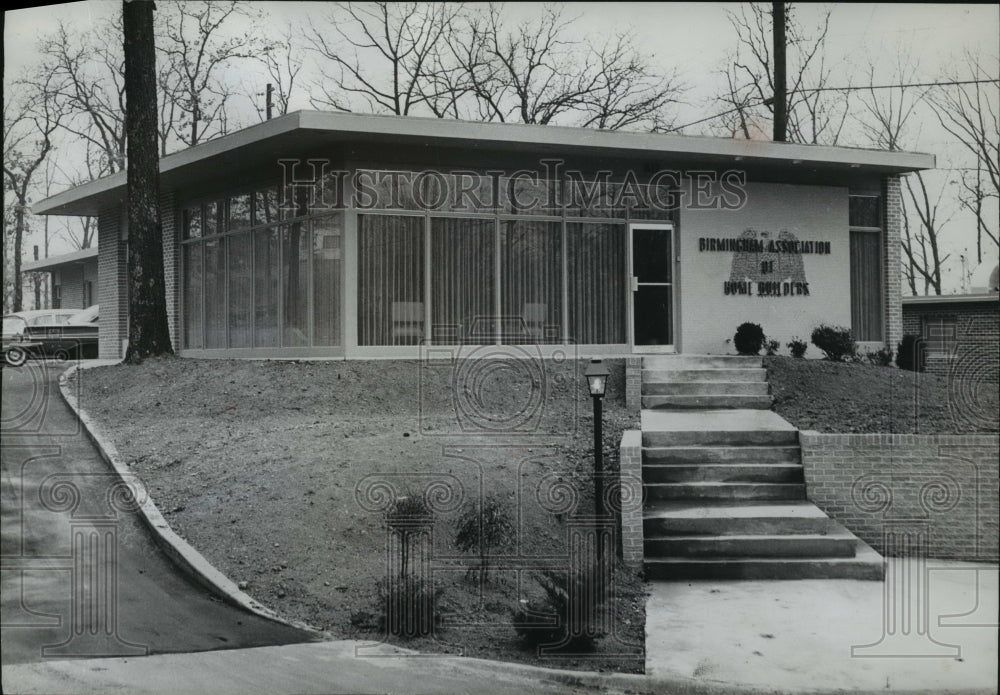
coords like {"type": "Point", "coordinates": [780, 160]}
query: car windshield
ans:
{"type": "Point", "coordinates": [13, 324]}
{"type": "Point", "coordinates": [88, 315]}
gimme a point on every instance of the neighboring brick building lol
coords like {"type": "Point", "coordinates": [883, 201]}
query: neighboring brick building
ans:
{"type": "Point", "coordinates": [343, 235]}
{"type": "Point", "coordinates": [74, 278]}
{"type": "Point", "coordinates": [961, 333]}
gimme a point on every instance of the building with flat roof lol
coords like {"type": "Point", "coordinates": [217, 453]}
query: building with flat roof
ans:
{"type": "Point", "coordinates": [73, 276]}
{"type": "Point", "coordinates": [342, 235]}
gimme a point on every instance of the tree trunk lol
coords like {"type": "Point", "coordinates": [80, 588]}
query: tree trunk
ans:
{"type": "Point", "coordinates": [149, 334]}
{"type": "Point", "coordinates": [780, 88]}
{"type": "Point", "coordinates": [18, 239]}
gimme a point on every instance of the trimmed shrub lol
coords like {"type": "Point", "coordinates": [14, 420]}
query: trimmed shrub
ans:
{"type": "Point", "coordinates": [910, 353]}
{"type": "Point", "coordinates": [881, 357]}
{"type": "Point", "coordinates": [482, 529]}
{"type": "Point", "coordinates": [836, 342]}
{"type": "Point", "coordinates": [749, 339]}
{"type": "Point", "coordinates": [798, 347]}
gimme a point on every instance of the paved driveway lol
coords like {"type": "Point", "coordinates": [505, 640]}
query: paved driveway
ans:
{"type": "Point", "coordinates": [81, 576]}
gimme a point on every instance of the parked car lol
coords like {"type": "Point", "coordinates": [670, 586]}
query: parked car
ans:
{"type": "Point", "coordinates": [65, 334]}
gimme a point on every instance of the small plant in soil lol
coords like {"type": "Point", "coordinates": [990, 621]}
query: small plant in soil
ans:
{"type": "Point", "coordinates": [798, 347]}
{"type": "Point", "coordinates": [484, 528]}
{"type": "Point", "coordinates": [568, 599]}
{"type": "Point", "coordinates": [409, 521]}
{"type": "Point", "coordinates": [836, 342]}
{"type": "Point", "coordinates": [749, 339]}
{"type": "Point", "coordinates": [406, 605]}
{"type": "Point", "coordinates": [772, 348]}
{"type": "Point", "coordinates": [909, 354]}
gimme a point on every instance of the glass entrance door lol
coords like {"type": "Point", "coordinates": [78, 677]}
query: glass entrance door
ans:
{"type": "Point", "coordinates": [652, 288]}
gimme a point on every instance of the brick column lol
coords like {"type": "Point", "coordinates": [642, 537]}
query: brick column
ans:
{"type": "Point", "coordinates": [633, 384]}
{"type": "Point", "coordinates": [169, 227]}
{"type": "Point", "coordinates": [892, 269]}
{"type": "Point", "coordinates": [630, 470]}
{"type": "Point", "coordinates": [112, 288]}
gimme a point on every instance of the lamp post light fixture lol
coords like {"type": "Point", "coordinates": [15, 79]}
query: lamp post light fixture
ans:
{"type": "Point", "coordinates": [597, 383]}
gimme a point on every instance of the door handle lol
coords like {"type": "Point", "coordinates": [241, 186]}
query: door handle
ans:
{"type": "Point", "coordinates": [635, 283]}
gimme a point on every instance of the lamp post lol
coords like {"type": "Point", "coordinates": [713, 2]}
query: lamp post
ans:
{"type": "Point", "coordinates": [597, 383]}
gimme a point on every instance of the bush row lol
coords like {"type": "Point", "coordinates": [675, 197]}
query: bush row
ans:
{"type": "Point", "coordinates": [837, 344]}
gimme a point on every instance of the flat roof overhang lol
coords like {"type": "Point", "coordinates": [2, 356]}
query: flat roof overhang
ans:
{"type": "Point", "coordinates": [66, 259]}
{"type": "Point", "coordinates": [294, 133]}
{"type": "Point", "coordinates": [945, 299]}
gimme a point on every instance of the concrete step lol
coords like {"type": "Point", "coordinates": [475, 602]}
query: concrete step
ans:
{"type": "Point", "coordinates": [725, 491]}
{"type": "Point", "coordinates": [708, 402]}
{"type": "Point", "coordinates": [751, 546]}
{"type": "Point", "coordinates": [735, 517]}
{"type": "Point", "coordinates": [701, 362]}
{"type": "Point", "coordinates": [704, 388]}
{"type": "Point", "coordinates": [786, 453]}
{"type": "Point", "coordinates": [866, 564]}
{"type": "Point", "coordinates": [760, 437]}
{"type": "Point", "coordinates": [724, 473]}
{"type": "Point", "coordinates": [710, 374]}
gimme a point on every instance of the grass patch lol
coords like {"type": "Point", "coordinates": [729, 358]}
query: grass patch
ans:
{"type": "Point", "coordinates": [264, 467]}
{"type": "Point", "coordinates": [852, 397]}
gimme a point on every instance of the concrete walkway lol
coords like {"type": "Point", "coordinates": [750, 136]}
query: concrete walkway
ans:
{"type": "Point", "coordinates": [82, 576]}
{"type": "Point", "coordinates": [813, 635]}
{"type": "Point", "coordinates": [734, 420]}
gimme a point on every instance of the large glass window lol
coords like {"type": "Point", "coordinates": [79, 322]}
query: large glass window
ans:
{"type": "Point", "coordinates": [531, 281]}
{"type": "Point", "coordinates": [866, 266]}
{"type": "Point", "coordinates": [295, 277]}
{"type": "Point", "coordinates": [240, 290]}
{"type": "Point", "coordinates": [266, 287]}
{"type": "Point", "coordinates": [462, 278]}
{"type": "Point", "coordinates": [251, 284]}
{"type": "Point", "coordinates": [596, 264]}
{"type": "Point", "coordinates": [215, 293]}
{"type": "Point", "coordinates": [390, 280]}
{"type": "Point", "coordinates": [193, 296]}
{"type": "Point", "coordinates": [866, 291]}
{"type": "Point", "coordinates": [327, 242]}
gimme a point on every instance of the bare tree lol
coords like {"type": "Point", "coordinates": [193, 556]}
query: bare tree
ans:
{"type": "Point", "coordinates": [530, 72]}
{"type": "Point", "coordinates": [539, 71]}
{"type": "Point", "coordinates": [149, 334]}
{"type": "Point", "coordinates": [378, 52]}
{"type": "Point", "coordinates": [87, 71]}
{"type": "Point", "coordinates": [970, 113]}
{"type": "Point", "coordinates": [628, 93]}
{"type": "Point", "coordinates": [816, 113]}
{"type": "Point", "coordinates": [197, 47]}
{"type": "Point", "coordinates": [29, 124]}
{"type": "Point", "coordinates": [922, 249]}
{"type": "Point", "coordinates": [283, 67]}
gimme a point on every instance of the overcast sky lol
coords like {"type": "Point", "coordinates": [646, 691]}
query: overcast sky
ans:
{"type": "Point", "coordinates": [692, 38]}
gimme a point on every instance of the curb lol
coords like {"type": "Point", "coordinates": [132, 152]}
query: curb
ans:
{"type": "Point", "coordinates": [184, 556]}
{"type": "Point", "coordinates": [194, 565]}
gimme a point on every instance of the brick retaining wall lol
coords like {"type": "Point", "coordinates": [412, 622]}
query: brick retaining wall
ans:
{"type": "Point", "coordinates": [630, 470]}
{"type": "Point", "coordinates": [944, 483]}
{"type": "Point", "coordinates": [973, 354]}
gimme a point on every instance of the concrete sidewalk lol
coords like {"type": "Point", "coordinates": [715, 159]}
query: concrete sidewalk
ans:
{"type": "Point", "coordinates": [702, 637]}
{"type": "Point", "coordinates": [837, 635]}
